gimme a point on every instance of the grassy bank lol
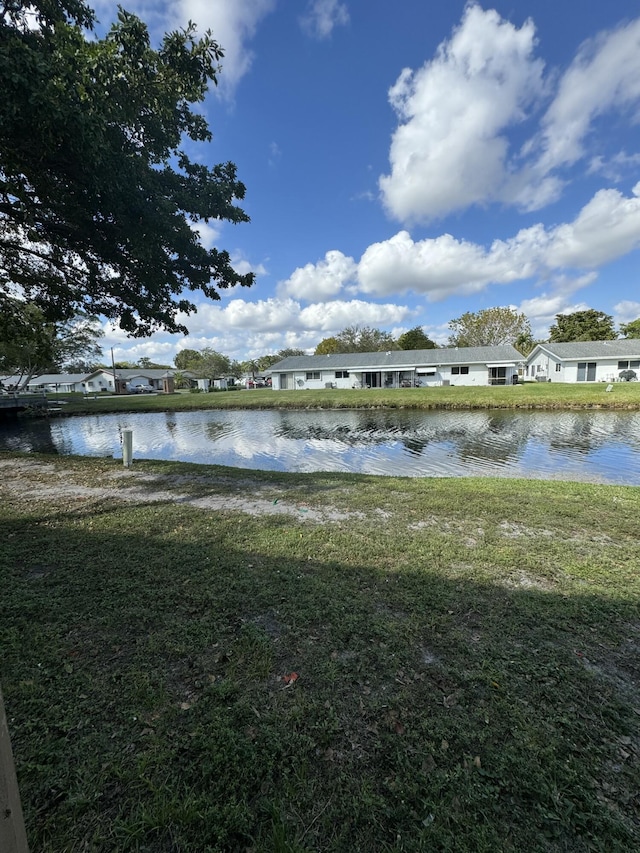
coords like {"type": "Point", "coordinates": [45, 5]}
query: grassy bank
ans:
{"type": "Point", "coordinates": [625, 395]}
{"type": "Point", "coordinates": [202, 659]}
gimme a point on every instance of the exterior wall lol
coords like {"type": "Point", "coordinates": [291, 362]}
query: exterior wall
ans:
{"type": "Point", "coordinates": [550, 368]}
{"type": "Point", "coordinates": [478, 374]}
{"type": "Point", "coordinates": [100, 382]}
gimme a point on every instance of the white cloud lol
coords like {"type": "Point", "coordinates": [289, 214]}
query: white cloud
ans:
{"type": "Point", "coordinates": [606, 228]}
{"type": "Point", "coordinates": [449, 150]}
{"type": "Point", "coordinates": [321, 281]}
{"type": "Point", "coordinates": [323, 16]}
{"type": "Point", "coordinates": [626, 311]}
{"type": "Point", "coordinates": [331, 317]}
{"type": "Point", "coordinates": [453, 147]}
{"type": "Point", "coordinates": [605, 75]}
{"type": "Point", "coordinates": [209, 234]}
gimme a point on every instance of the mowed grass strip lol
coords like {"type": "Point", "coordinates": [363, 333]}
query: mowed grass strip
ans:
{"type": "Point", "coordinates": [531, 395]}
{"type": "Point", "coordinates": [451, 665]}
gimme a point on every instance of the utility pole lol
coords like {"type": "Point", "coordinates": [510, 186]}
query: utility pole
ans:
{"type": "Point", "coordinates": [116, 390]}
{"type": "Point", "coordinates": [13, 838]}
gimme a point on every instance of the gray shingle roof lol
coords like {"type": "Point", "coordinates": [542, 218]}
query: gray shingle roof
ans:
{"type": "Point", "coordinates": [624, 348]}
{"type": "Point", "coordinates": [398, 359]}
{"type": "Point", "coordinates": [57, 378]}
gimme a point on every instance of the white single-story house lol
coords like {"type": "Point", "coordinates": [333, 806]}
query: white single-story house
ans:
{"type": "Point", "coordinates": [99, 380]}
{"type": "Point", "coordinates": [583, 361]}
{"type": "Point", "coordinates": [399, 368]}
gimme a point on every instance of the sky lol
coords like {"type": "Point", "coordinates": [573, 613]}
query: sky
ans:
{"type": "Point", "coordinates": [407, 162]}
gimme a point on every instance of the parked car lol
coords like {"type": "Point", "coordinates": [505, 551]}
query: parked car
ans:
{"type": "Point", "coordinates": [142, 389]}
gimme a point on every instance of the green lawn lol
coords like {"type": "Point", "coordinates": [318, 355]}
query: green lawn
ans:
{"type": "Point", "coordinates": [234, 661]}
{"type": "Point", "coordinates": [529, 395]}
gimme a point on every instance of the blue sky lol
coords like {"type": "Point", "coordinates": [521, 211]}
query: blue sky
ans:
{"type": "Point", "coordinates": [407, 162]}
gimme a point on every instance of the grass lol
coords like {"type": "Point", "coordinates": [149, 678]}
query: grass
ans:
{"type": "Point", "coordinates": [625, 395]}
{"type": "Point", "coordinates": [447, 665]}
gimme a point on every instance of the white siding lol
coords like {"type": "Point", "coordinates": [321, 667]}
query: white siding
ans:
{"type": "Point", "coordinates": [544, 366]}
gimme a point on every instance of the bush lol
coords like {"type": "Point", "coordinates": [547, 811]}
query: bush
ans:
{"type": "Point", "coordinates": [195, 390]}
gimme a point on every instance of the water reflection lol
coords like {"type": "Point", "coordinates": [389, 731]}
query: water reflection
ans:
{"type": "Point", "coordinates": [596, 446]}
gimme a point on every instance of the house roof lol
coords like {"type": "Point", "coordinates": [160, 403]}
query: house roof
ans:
{"type": "Point", "coordinates": [398, 359]}
{"type": "Point", "coordinates": [576, 350]}
{"type": "Point", "coordinates": [148, 373]}
{"type": "Point", "coordinates": [57, 379]}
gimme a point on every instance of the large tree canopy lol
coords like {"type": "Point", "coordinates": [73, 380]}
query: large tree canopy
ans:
{"type": "Point", "coordinates": [489, 327]}
{"type": "Point", "coordinates": [97, 199]}
{"type": "Point", "coordinates": [416, 339]}
{"type": "Point", "coordinates": [590, 325]}
{"type": "Point", "coordinates": [357, 339]}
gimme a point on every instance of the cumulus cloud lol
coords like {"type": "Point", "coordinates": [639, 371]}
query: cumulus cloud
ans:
{"type": "Point", "coordinates": [454, 146]}
{"type": "Point", "coordinates": [450, 150]}
{"type": "Point", "coordinates": [332, 317]}
{"type": "Point", "coordinates": [626, 311]}
{"type": "Point", "coordinates": [605, 75]}
{"type": "Point", "coordinates": [322, 16]}
{"type": "Point", "coordinates": [321, 281]}
{"type": "Point", "coordinates": [606, 228]}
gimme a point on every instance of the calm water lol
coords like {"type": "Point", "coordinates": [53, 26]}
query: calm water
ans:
{"type": "Point", "coordinates": [592, 446]}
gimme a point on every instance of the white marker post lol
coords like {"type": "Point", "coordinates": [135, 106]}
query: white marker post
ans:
{"type": "Point", "coordinates": [13, 838]}
{"type": "Point", "coordinates": [127, 447]}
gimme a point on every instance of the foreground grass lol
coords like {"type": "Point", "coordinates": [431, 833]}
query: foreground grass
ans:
{"type": "Point", "coordinates": [447, 665]}
{"type": "Point", "coordinates": [625, 395]}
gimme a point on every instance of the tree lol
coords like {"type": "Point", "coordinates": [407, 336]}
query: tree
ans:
{"type": "Point", "coordinates": [328, 346]}
{"type": "Point", "coordinates": [415, 339]}
{"type": "Point", "coordinates": [590, 325]}
{"type": "Point", "coordinates": [288, 351]}
{"type": "Point", "coordinates": [357, 339]}
{"type": "Point", "coordinates": [488, 328]}
{"type": "Point", "coordinates": [31, 345]}
{"type": "Point", "coordinates": [266, 361]}
{"type": "Point", "coordinates": [188, 359]}
{"type": "Point", "coordinates": [214, 364]}
{"type": "Point", "coordinates": [146, 364]}
{"type": "Point", "coordinates": [525, 342]}
{"type": "Point", "coordinates": [97, 199]}
{"type": "Point", "coordinates": [630, 330]}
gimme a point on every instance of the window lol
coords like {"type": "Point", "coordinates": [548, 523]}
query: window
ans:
{"type": "Point", "coordinates": [342, 374]}
{"type": "Point", "coordinates": [623, 365]}
{"type": "Point", "coordinates": [634, 364]}
{"type": "Point", "coordinates": [558, 367]}
{"type": "Point", "coordinates": [313, 374]}
{"type": "Point", "coordinates": [457, 371]}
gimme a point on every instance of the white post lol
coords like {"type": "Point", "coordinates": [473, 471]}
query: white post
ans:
{"type": "Point", "coordinates": [127, 447]}
{"type": "Point", "coordinates": [13, 838]}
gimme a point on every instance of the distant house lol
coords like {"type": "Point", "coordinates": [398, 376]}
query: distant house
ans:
{"type": "Point", "coordinates": [399, 368]}
{"type": "Point", "coordinates": [55, 382]}
{"type": "Point", "coordinates": [101, 380]}
{"type": "Point", "coordinates": [583, 361]}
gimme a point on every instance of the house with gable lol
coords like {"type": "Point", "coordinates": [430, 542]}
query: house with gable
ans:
{"type": "Point", "coordinates": [583, 361]}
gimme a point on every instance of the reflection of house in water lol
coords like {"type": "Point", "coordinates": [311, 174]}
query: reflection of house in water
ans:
{"type": "Point", "coordinates": [480, 435]}
{"type": "Point", "coordinates": [583, 432]}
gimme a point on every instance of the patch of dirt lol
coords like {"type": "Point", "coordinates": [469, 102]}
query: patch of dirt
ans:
{"type": "Point", "coordinates": [49, 482]}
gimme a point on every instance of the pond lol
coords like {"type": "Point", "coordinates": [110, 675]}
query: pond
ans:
{"type": "Point", "coordinates": [585, 445]}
